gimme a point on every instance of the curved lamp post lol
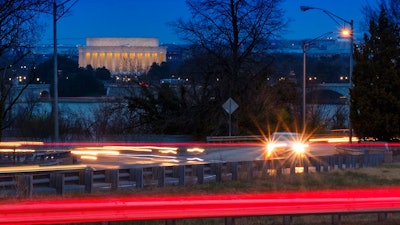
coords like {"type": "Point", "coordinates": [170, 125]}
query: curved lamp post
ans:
{"type": "Point", "coordinates": [306, 43]}
{"type": "Point", "coordinates": [350, 34]}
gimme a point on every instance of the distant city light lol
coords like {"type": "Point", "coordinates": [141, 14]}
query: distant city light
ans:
{"type": "Point", "coordinates": [312, 78]}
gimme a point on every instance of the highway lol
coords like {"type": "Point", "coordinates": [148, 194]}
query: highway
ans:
{"type": "Point", "coordinates": [128, 156]}
{"type": "Point", "coordinates": [116, 155]}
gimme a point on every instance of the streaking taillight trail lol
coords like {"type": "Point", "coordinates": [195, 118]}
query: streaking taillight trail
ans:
{"type": "Point", "coordinates": [96, 209]}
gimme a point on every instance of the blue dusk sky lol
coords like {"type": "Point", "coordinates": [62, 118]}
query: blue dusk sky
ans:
{"type": "Point", "coordinates": [149, 18]}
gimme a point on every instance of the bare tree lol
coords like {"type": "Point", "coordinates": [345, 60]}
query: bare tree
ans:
{"type": "Point", "coordinates": [392, 8]}
{"type": "Point", "coordinates": [19, 29]}
{"type": "Point", "coordinates": [234, 34]}
{"type": "Point", "coordinates": [232, 30]}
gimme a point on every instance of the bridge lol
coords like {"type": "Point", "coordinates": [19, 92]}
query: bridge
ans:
{"type": "Point", "coordinates": [341, 88]}
{"type": "Point", "coordinates": [329, 93]}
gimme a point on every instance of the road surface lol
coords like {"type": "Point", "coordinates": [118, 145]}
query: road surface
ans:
{"type": "Point", "coordinates": [128, 158]}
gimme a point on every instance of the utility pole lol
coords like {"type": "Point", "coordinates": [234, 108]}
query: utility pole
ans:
{"type": "Point", "coordinates": [56, 17]}
{"type": "Point", "coordinates": [55, 74]}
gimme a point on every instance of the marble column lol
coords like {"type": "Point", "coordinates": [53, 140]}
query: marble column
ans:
{"type": "Point", "coordinates": [108, 61]}
{"type": "Point", "coordinates": [113, 63]}
{"type": "Point", "coordinates": [131, 61]}
{"type": "Point", "coordinates": [90, 58]}
{"type": "Point", "coordinates": [154, 58]}
{"type": "Point", "coordinates": [102, 59]}
{"type": "Point", "coordinates": [147, 61]}
{"type": "Point", "coordinates": [139, 61]}
{"type": "Point", "coordinates": [124, 62]}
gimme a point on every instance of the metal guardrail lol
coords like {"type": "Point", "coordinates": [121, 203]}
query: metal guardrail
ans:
{"type": "Point", "coordinates": [254, 138]}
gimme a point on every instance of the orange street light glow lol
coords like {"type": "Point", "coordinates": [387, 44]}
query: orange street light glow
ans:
{"type": "Point", "coordinates": [94, 153]}
{"type": "Point", "coordinates": [195, 150]}
{"type": "Point", "coordinates": [89, 157]}
{"type": "Point", "coordinates": [346, 32]}
{"type": "Point", "coordinates": [37, 168]}
{"type": "Point", "coordinates": [17, 150]}
{"type": "Point", "coordinates": [20, 143]}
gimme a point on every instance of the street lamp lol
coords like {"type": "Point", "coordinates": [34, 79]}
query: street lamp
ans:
{"type": "Point", "coordinates": [350, 34]}
{"type": "Point", "coordinates": [305, 45]}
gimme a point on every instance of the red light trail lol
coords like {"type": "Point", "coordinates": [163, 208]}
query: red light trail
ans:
{"type": "Point", "coordinates": [207, 144]}
{"type": "Point", "coordinates": [97, 209]}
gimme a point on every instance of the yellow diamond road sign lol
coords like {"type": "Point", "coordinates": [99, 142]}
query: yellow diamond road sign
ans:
{"type": "Point", "coordinates": [230, 106]}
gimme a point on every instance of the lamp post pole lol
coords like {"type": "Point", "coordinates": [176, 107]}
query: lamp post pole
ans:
{"type": "Point", "coordinates": [305, 45]}
{"type": "Point", "coordinates": [351, 36]}
{"type": "Point", "coordinates": [351, 77]}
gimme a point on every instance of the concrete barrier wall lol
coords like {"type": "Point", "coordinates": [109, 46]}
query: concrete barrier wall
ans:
{"type": "Point", "coordinates": [88, 180]}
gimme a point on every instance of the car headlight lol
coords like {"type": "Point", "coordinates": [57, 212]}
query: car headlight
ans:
{"type": "Point", "coordinates": [270, 147]}
{"type": "Point", "coordinates": [299, 147]}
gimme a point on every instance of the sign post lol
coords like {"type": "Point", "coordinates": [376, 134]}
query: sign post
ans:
{"type": "Point", "coordinates": [230, 106]}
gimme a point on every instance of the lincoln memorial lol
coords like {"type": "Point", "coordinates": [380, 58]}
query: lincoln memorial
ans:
{"type": "Point", "coordinates": [122, 55]}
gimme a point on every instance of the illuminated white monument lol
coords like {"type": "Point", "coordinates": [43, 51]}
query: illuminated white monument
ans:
{"type": "Point", "coordinates": [122, 55]}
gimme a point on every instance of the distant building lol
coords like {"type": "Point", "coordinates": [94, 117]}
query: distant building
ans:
{"type": "Point", "coordinates": [122, 55]}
